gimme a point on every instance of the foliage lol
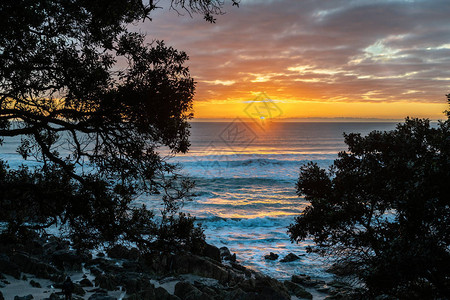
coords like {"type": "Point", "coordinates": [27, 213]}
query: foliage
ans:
{"type": "Point", "coordinates": [383, 209]}
{"type": "Point", "coordinates": [94, 104]}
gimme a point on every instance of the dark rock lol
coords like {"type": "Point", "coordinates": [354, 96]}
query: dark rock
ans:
{"type": "Point", "coordinates": [122, 252]}
{"type": "Point", "coordinates": [86, 283]}
{"type": "Point", "coordinates": [212, 252]}
{"type": "Point", "coordinates": [162, 294]}
{"type": "Point", "coordinates": [271, 256]}
{"type": "Point", "coordinates": [24, 277]}
{"type": "Point", "coordinates": [27, 297]}
{"type": "Point", "coordinates": [300, 278]}
{"type": "Point", "coordinates": [135, 282]}
{"type": "Point", "coordinates": [241, 268]}
{"type": "Point", "coordinates": [78, 290]}
{"type": "Point", "coordinates": [108, 282]}
{"type": "Point", "coordinates": [53, 296]}
{"type": "Point", "coordinates": [225, 254]}
{"type": "Point", "coordinates": [297, 290]}
{"type": "Point", "coordinates": [95, 271]}
{"type": "Point", "coordinates": [265, 288]}
{"type": "Point", "coordinates": [8, 267]}
{"type": "Point", "coordinates": [2, 276]}
{"type": "Point", "coordinates": [34, 266]}
{"type": "Point", "coordinates": [290, 257]}
{"type": "Point", "coordinates": [101, 296]}
{"type": "Point", "coordinates": [143, 295]}
{"type": "Point", "coordinates": [1, 296]}
{"type": "Point", "coordinates": [187, 291]}
{"type": "Point", "coordinates": [35, 284]}
{"type": "Point", "coordinates": [101, 254]}
{"type": "Point", "coordinates": [67, 260]}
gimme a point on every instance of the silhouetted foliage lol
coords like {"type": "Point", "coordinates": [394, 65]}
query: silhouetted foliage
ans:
{"type": "Point", "coordinates": [94, 104]}
{"type": "Point", "coordinates": [383, 209]}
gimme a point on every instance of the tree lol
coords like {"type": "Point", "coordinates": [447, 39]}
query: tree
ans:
{"type": "Point", "coordinates": [383, 210]}
{"type": "Point", "coordinates": [94, 104]}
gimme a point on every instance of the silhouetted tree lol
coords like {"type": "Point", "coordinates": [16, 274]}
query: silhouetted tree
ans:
{"type": "Point", "coordinates": [383, 209]}
{"type": "Point", "coordinates": [94, 104]}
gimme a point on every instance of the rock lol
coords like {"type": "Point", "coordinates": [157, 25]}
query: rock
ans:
{"type": "Point", "coordinates": [67, 260]}
{"type": "Point", "coordinates": [24, 277]}
{"type": "Point", "coordinates": [297, 290]}
{"type": "Point", "coordinates": [300, 278]}
{"type": "Point", "coordinates": [101, 254]}
{"type": "Point", "coordinates": [95, 271]}
{"type": "Point", "coordinates": [225, 254]}
{"type": "Point", "coordinates": [290, 257]}
{"type": "Point", "coordinates": [27, 297]}
{"type": "Point", "coordinates": [34, 266]}
{"type": "Point", "coordinates": [143, 295]}
{"type": "Point", "coordinates": [53, 296]}
{"type": "Point", "coordinates": [135, 282]}
{"type": "Point", "coordinates": [212, 252]}
{"type": "Point", "coordinates": [108, 282]}
{"type": "Point", "coordinates": [1, 296]}
{"type": "Point", "coordinates": [86, 283]}
{"type": "Point", "coordinates": [187, 291]}
{"type": "Point", "coordinates": [122, 252]}
{"type": "Point", "coordinates": [265, 288]}
{"type": "Point", "coordinates": [101, 295]}
{"type": "Point", "coordinates": [8, 267]}
{"type": "Point", "coordinates": [162, 294]}
{"type": "Point", "coordinates": [271, 256]}
{"type": "Point", "coordinates": [35, 284]}
{"type": "Point", "coordinates": [78, 290]}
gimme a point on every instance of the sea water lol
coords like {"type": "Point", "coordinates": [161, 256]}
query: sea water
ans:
{"type": "Point", "coordinates": [245, 194]}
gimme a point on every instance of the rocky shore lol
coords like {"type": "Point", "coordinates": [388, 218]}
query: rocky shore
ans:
{"type": "Point", "coordinates": [36, 269]}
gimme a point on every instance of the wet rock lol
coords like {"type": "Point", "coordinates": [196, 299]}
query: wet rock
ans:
{"type": "Point", "coordinates": [290, 257]}
{"type": "Point", "coordinates": [212, 252]}
{"type": "Point", "coordinates": [297, 290]}
{"type": "Point", "coordinates": [34, 266]}
{"type": "Point", "coordinates": [187, 291]}
{"type": "Point", "coordinates": [27, 297]}
{"type": "Point", "coordinates": [265, 288]}
{"type": "Point", "coordinates": [67, 260]}
{"type": "Point", "coordinates": [86, 283]}
{"type": "Point", "coordinates": [271, 256]}
{"type": "Point", "coordinates": [8, 267]}
{"type": "Point", "coordinates": [102, 295]}
{"type": "Point", "coordinates": [35, 284]}
{"type": "Point", "coordinates": [78, 290]}
{"type": "Point", "coordinates": [300, 278]}
{"type": "Point", "coordinates": [108, 282]}
{"type": "Point", "coordinates": [122, 252]}
{"type": "Point", "coordinates": [135, 282]}
{"type": "Point", "coordinates": [225, 254]}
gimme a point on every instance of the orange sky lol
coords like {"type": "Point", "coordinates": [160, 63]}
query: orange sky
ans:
{"type": "Point", "coordinates": [317, 59]}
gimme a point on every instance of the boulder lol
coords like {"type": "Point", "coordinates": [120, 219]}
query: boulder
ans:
{"type": "Point", "coordinates": [86, 283]}
{"type": "Point", "coordinates": [122, 252]}
{"type": "Point", "coordinates": [290, 257]}
{"type": "Point", "coordinates": [34, 266]}
{"type": "Point", "coordinates": [101, 295]}
{"type": "Point", "coordinates": [67, 260]}
{"type": "Point", "coordinates": [135, 282]}
{"type": "Point", "coordinates": [108, 282]}
{"type": "Point", "coordinates": [225, 254]}
{"type": "Point", "coordinates": [187, 291]}
{"type": "Point", "coordinates": [212, 252]}
{"type": "Point", "coordinates": [35, 284]}
{"type": "Point", "coordinates": [297, 290]}
{"type": "Point", "coordinates": [300, 278]}
{"type": "Point", "coordinates": [8, 267]}
{"type": "Point", "coordinates": [162, 294]}
{"type": "Point", "coordinates": [27, 297]}
{"type": "Point", "coordinates": [265, 288]}
{"type": "Point", "coordinates": [1, 296]}
{"type": "Point", "coordinates": [271, 256]}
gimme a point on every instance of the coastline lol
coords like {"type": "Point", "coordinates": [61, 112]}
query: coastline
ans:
{"type": "Point", "coordinates": [39, 266]}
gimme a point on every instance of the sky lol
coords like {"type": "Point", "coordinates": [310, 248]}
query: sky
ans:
{"type": "Point", "coordinates": [315, 59]}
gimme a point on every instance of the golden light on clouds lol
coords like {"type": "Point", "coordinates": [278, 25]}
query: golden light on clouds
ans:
{"type": "Point", "coordinates": [318, 59]}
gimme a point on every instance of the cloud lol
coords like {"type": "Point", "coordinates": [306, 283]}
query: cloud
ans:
{"type": "Point", "coordinates": [340, 50]}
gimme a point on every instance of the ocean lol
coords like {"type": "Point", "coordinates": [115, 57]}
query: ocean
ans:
{"type": "Point", "coordinates": [245, 175]}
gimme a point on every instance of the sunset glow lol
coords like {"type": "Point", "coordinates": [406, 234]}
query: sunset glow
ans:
{"type": "Point", "coordinates": [317, 59]}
